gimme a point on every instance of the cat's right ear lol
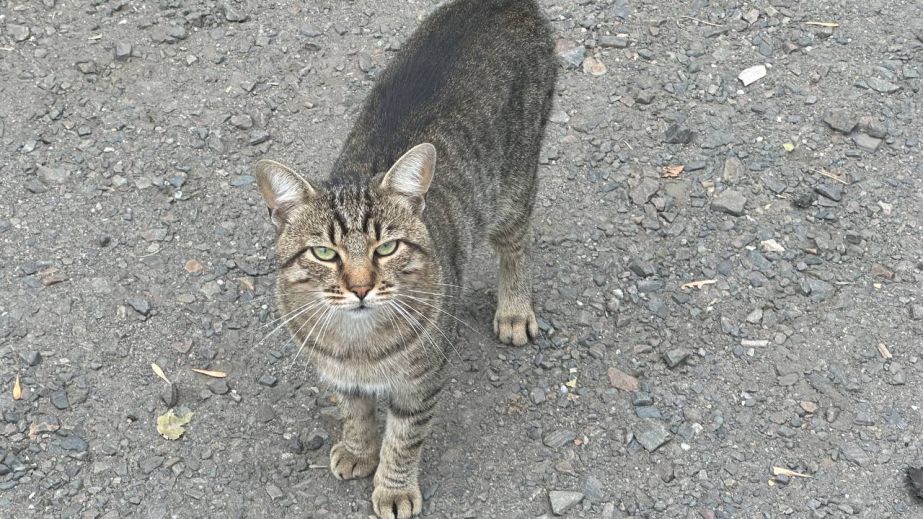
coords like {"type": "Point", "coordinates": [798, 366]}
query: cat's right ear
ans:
{"type": "Point", "coordinates": [282, 189]}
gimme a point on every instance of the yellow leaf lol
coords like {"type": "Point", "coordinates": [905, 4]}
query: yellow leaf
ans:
{"type": "Point", "coordinates": [789, 147]}
{"type": "Point", "coordinates": [214, 374]}
{"type": "Point", "coordinates": [698, 284]}
{"type": "Point", "coordinates": [159, 372]}
{"type": "Point", "coordinates": [17, 389]}
{"type": "Point", "coordinates": [170, 426]}
{"type": "Point", "coordinates": [672, 171]}
{"type": "Point", "coordinates": [571, 383]}
{"type": "Point", "coordinates": [781, 471]}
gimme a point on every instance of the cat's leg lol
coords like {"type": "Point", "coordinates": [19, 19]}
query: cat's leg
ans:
{"type": "Point", "coordinates": [514, 321]}
{"type": "Point", "coordinates": [397, 491]}
{"type": "Point", "coordinates": [356, 454]}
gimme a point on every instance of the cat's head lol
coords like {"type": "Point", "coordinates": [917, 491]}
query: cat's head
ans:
{"type": "Point", "coordinates": [357, 251]}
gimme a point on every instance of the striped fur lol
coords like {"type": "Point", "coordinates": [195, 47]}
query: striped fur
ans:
{"type": "Point", "coordinates": [469, 97]}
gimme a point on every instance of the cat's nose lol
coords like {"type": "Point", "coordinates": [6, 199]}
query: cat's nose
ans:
{"type": "Point", "coordinates": [360, 290]}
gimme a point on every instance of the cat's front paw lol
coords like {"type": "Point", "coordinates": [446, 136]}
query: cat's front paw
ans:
{"type": "Point", "coordinates": [397, 503]}
{"type": "Point", "coordinates": [346, 465]}
{"type": "Point", "coordinates": [515, 327]}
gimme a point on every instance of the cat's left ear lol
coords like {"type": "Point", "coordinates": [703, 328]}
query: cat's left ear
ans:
{"type": "Point", "coordinates": [411, 175]}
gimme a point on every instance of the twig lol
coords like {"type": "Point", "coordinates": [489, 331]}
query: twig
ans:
{"type": "Point", "coordinates": [701, 21]}
{"type": "Point", "coordinates": [830, 176]}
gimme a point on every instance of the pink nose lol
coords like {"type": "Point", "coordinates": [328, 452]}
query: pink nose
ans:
{"type": "Point", "coordinates": [360, 290]}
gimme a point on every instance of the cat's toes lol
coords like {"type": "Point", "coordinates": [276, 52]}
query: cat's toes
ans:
{"type": "Point", "coordinates": [397, 503]}
{"type": "Point", "coordinates": [515, 328]}
{"type": "Point", "coordinates": [346, 465]}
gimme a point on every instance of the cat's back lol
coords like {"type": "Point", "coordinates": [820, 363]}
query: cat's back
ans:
{"type": "Point", "coordinates": [457, 74]}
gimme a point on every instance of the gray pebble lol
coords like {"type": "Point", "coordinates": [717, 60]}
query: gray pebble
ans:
{"type": "Point", "coordinates": [142, 306]}
{"type": "Point", "coordinates": [677, 134]}
{"type": "Point", "coordinates": [218, 386]}
{"type": "Point", "coordinates": [59, 399]}
{"type": "Point", "coordinates": [731, 202]}
{"type": "Point", "coordinates": [267, 380]}
{"type": "Point", "coordinates": [563, 501]}
{"type": "Point", "coordinates": [31, 358]}
{"type": "Point", "coordinates": [558, 438]}
{"type": "Point", "coordinates": [676, 356]}
{"type": "Point", "coordinates": [18, 32]}
{"type": "Point", "coordinates": [651, 434]}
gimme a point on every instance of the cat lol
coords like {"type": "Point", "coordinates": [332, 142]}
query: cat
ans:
{"type": "Point", "coordinates": [441, 160]}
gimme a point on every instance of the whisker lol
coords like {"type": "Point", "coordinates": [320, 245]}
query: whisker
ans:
{"type": "Point", "coordinates": [415, 324]}
{"type": "Point", "coordinates": [428, 303]}
{"type": "Point", "coordinates": [304, 308]}
{"type": "Point", "coordinates": [436, 326]}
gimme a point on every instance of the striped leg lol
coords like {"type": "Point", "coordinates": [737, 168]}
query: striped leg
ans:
{"type": "Point", "coordinates": [397, 491]}
{"type": "Point", "coordinates": [356, 454]}
{"type": "Point", "coordinates": [514, 321]}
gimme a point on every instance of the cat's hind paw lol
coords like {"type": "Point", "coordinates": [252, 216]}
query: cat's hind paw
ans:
{"type": "Point", "coordinates": [397, 503]}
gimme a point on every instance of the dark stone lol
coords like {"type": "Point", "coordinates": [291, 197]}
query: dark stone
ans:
{"type": "Point", "coordinates": [677, 134]}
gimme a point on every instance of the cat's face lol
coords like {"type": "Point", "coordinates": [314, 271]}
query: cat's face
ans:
{"type": "Point", "coordinates": [358, 255]}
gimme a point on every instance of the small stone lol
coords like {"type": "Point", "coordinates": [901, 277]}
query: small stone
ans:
{"type": "Point", "coordinates": [267, 380]}
{"type": "Point", "coordinates": [176, 32]}
{"type": "Point", "coordinates": [150, 464]}
{"type": "Point", "coordinates": [866, 142]}
{"type": "Point", "coordinates": [243, 122]}
{"type": "Point", "coordinates": [818, 289]}
{"type": "Point", "coordinates": [614, 42]}
{"type": "Point", "coordinates": [59, 399]}
{"type": "Point", "coordinates": [677, 134]}
{"type": "Point", "coordinates": [621, 380]}
{"type": "Point", "coordinates": [74, 443]}
{"type": "Point", "coordinates": [219, 387]}
{"type": "Point", "coordinates": [558, 438]}
{"type": "Point", "coordinates": [645, 97]}
{"type": "Point", "coordinates": [537, 395]}
{"type": "Point", "coordinates": [916, 312]}
{"type": "Point", "coordinates": [731, 202]}
{"type": "Point", "coordinates": [855, 454]}
{"type": "Point", "coordinates": [50, 176]}
{"type": "Point", "coordinates": [122, 50]}
{"type": "Point", "coordinates": [651, 434]}
{"type": "Point", "coordinates": [755, 316]}
{"type": "Point", "coordinates": [233, 15]}
{"type": "Point", "coordinates": [264, 413]}
{"type": "Point", "coordinates": [51, 276]}
{"type": "Point", "coordinates": [31, 358]}
{"type": "Point", "coordinates": [833, 191]}
{"type": "Point", "coordinates": [733, 169]}
{"type": "Point", "coordinates": [258, 137]}
{"type": "Point", "coordinates": [562, 501]}
{"type": "Point", "coordinates": [752, 74]}
{"type": "Point", "coordinates": [642, 268]}
{"type": "Point", "coordinates": [273, 491]}
{"type": "Point", "coordinates": [573, 58]}
{"type": "Point", "coordinates": [309, 31]}
{"type": "Point", "coordinates": [315, 441]}
{"type": "Point", "coordinates": [676, 356]}
{"type": "Point", "coordinates": [841, 122]}
{"type": "Point", "coordinates": [881, 85]}
{"type": "Point", "coordinates": [809, 407]}
{"type": "Point", "coordinates": [789, 379]}
{"type": "Point", "coordinates": [142, 306]}
{"type": "Point", "coordinates": [18, 32]}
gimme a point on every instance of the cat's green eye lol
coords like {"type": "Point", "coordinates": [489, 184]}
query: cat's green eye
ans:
{"type": "Point", "coordinates": [386, 249]}
{"type": "Point", "coordinates": [324, 253]}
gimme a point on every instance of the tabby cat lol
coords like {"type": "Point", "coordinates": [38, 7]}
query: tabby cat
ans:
{"type": "Point", "coordinates": [442, 159]}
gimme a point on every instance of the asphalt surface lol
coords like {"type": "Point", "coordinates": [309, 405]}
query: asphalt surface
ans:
{"type": "Point", "coordinates": [131, 233]}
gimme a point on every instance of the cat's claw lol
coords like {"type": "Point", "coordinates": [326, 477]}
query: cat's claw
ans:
{"type": "Point", "coordinates": [346, 465]}
{"type": "Point", "coordinates": [515, 328]}
{"type": "Point", "coordinates": [397, 503]}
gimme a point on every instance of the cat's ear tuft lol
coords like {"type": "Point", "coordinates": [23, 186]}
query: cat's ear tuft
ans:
{"type": "Point", "coordinates": [411, 175]}
{"type": "Point", "coordinates": [282, 189]}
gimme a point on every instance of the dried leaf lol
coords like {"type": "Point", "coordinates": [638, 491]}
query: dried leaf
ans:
{"type": "Point", "coordinates": [571, 383]}
{"type": "Point", "coordinates": [170, 426]}
{"type": "Point", "coordinates": [916, 479]}
{"type": "Point", "coordinates": [885, 353]}
{"type": "Point", "coordinates": [17, 389]}
{"type": "Point", "coordinates": [698, 284]}
{"type": "Point", "coordinates": [781, 471]}
{"type": "Point", "coordinates": [159, 372]}
{"type": "Point", "coordinates": [672, 171]}
{"type": "Point", "coordinates": [193, 266]}
{"type": "Point", "coordinates": [214, 374]}
{"type": "Point", "coordinates": [823, 24]}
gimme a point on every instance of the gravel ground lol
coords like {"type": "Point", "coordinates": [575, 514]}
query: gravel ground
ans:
{"type": "Point", "coordinates": [131, 233]}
